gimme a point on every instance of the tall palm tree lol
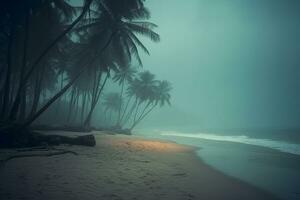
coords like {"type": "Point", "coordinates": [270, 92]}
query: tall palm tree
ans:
{"type": "Point", "coordinates": [112, 41]}
{"type": "Point", "coordinates": [124, 20]}
{"type": "Point", "coordinates": [36, 13]}
{"type": "Point", "coordinates": [121, 27]}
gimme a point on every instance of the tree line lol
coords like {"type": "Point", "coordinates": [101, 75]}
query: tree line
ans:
{"type": "Point", "coordinates": [55, 55]}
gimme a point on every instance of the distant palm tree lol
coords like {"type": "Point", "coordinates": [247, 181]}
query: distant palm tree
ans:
{"type": "Point", "coordinates": [147, 86]}
{"type": "Point", "coordinates": [142, 89]}
{"type": "Point", "coordinates": [159, 96]}
{"type": "Point", "coordinates": [111, 102]}
{"type": "Point", "coordinates": [163, 93]}
{"type": "Point", "coordinates": [122, 76]}
{"type": "Point", "coordinates": [132, 90]}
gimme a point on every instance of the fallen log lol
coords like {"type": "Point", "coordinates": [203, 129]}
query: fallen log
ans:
{"type": "Point", "coordinates": [13, 137]}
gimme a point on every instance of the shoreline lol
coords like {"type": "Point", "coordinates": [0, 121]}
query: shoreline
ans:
{"type": "Point", "coordinates": [263, 167]}
{"type": "Point", "coordinates": [123, 167]}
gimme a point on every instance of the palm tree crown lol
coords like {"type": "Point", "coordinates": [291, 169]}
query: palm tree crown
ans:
{"type": "Point", "coordinates": [163, 93]}
{"type": "Point", "coordinates": [125, 74]}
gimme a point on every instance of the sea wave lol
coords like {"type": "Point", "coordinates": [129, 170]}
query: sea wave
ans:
{"type": "Point", "coordinates": [273, 144]}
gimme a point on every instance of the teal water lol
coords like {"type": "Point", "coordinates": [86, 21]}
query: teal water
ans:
{"type": "Point", "coordinates": [272, 165]}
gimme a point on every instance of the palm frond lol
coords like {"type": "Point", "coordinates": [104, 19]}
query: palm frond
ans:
{"type": "Point", "coordinates": [134, 50]}
{"type": "Point", "coordinates": [143, 30]}
{"type": "Point", "coordinates": [138, 42]}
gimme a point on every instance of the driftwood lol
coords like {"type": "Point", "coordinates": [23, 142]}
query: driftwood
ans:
{"type": "Point", "coordinates": [14, 137]}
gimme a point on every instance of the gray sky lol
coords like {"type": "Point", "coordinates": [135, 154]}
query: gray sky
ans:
{"type": "Point", "coordinates": [232, 63]}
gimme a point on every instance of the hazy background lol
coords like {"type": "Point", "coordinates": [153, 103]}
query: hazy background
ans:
{"type": "Point", "coordinates": [232, 63]}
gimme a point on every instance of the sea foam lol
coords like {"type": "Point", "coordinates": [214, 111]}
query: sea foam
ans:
{"type": "Point", "coordinates": [273, 144]}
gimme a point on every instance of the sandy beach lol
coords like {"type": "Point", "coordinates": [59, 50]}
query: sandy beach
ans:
{"type": "Point", "coordinates": [120, 168]}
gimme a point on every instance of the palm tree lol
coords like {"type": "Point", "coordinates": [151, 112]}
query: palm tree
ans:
{"type": "Point", "coordinates": [142, 89]}
{"type": "Point", "coordinates": [114, 24]}
{"type": "Point", "coordinates": [163, 93]}
{"type": "Point", "coordinates": [160, 96]}
{"type": "Point", "coordinates": [122, 20]}
{"type": "Point", "coordinates": [110, 40]}
{"type": "Point", "coordinates": [122, 76]}
{"type": "Point", "coordinates": [132, 90]}
{"type": "Point", "coordinates": [35, 14]}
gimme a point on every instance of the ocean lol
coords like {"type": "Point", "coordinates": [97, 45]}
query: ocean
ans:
{"type": "Point", "coordinates": [271, 162]}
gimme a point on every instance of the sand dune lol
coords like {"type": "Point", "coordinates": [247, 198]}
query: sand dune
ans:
{"type": "Point", "coordinates": [121, 168]}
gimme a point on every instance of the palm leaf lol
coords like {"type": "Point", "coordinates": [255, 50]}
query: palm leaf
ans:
{"type": "Point", "coordinates": [138, 42]}
{"type": "Point", "coordinates": [142, 30]}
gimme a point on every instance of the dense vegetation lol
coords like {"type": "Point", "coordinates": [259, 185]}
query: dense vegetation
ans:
{"type": "Point", "coordinates": [56, 60]}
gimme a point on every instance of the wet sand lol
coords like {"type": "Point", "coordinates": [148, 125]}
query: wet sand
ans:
{"type": "Point", "coordinates": [121, 168]}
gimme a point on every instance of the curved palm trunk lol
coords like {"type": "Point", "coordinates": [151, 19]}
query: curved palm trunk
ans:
{"type": "Point", "coordinates": [62, 35]}
{"type": "Point", "coordinates": [145, 108]}
{"type": "Point", "coordinates": [87, 122]}
{"type": "Point", "coordinates": [125, 109]}
{"type": "Point", "coordinates": [142, 117]}
{"type": "Point", "coordinates": [61, 86]}
{"type": "Point", "coordinates": [62, 91]}
{"type": "Point", "coordinates": [37, 91]}
{"type": "Point", "coordinates": [71, 104]}
{"type": "Point", "coordinates": [52, 100]}
{"type": "Point", "coordinates": [97, 80]}
{"type": "Point", "coordinates": [42, 55]}
{"type": "Point", "coordinates": [83, 107]}
{"type": "Point", "coordinates": [76, 104]}
{"type": "Point", "coordinates": [137, 118]}
{"type": "Point", "coordinates": [129, 114]}
{"type": "Point", "coordinates": [137, 110]}
{"type": "Point", "coordinates": [120, 106]}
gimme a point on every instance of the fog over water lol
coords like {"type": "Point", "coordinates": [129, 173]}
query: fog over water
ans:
{"type": "Point", "coordinates": [232, 64]}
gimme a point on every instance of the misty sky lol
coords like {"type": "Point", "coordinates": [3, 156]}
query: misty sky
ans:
{"type": "Point", "coordinates": [232, 63]}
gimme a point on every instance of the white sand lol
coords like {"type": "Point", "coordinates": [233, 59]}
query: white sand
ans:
{"type": "Point", "coordinates": [121, 168]}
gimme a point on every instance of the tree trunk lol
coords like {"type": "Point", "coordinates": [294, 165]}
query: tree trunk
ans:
{"type": "Point", "coordinates": [61, 86]}
{"type": "Point", "coordinates": [19, 96]}
{"type": "Point", "coordinates": [71, 104]}
{"type": "Point", "coordinates": [6, 93]}
{"type": "Point", "coordinates": [137, 110]}
{"type": "Point", "coordinates": [125, 109]}
{"type": "Point", "coordinates": [62, 35]}
{"type": "Point", "coordinates": [37, 91]}
{"type": "Point", "coordinates": [138, 121]}
{"type": "Point", "coordinates": [43, 54]}
{"type": "Point", "coordinates": [83, 107]}
{"type": "Point", "coordinates": [142, 113]}
{"type": "Point", "coordinates": [129, 114]}
{"type": "Point", "coordinates": [76, 107]}
{"type": "Point", "coordinates": [120, 106]}
{"type": "Point", "coordinates": [52, 100]}
{"type": "Point", "coordinates": [87, 122]}
{"type": "Point", "coordinates": [61, 92]}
